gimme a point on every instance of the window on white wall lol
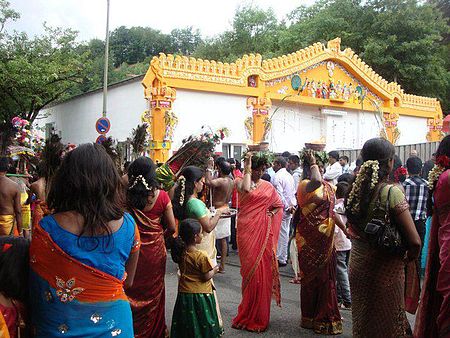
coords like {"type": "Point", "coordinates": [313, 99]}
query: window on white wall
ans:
{"type": "Point", "coordinates": [233, 150]}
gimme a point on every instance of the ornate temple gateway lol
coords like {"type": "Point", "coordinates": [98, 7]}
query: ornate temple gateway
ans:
{"type": "Point", "coordinates": [317, 93]}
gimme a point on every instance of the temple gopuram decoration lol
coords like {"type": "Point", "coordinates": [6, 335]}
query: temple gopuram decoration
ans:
{"type": "Point", "coordinates": [320, 75]}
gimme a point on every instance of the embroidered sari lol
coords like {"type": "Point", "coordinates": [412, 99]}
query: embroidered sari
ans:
{"type": "Point", "coordinates": [377, 279]}
{"type": "Point", "coordinates": [71, 298]}
{"type": "Point", "coordinates": [433, 317]}
{"type": "Point", "coordinates": [257, 238]}
{"type": "Point", "coordinates": [317, 260]}
{"type": "Point", "coordinates": [147, 295]}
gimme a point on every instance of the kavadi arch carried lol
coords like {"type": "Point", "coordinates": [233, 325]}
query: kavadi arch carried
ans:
{"type": "Point", "coordinates": [334, 86]}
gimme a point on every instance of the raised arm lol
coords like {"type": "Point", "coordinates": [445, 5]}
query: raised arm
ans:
{"type": "Point", "coordinates": [245, 184]}
{"type": "Point", "coordinates": [316, 178]}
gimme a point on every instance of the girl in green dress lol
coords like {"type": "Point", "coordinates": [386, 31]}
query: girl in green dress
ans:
{"type": "Point", "coordinates": [195, 313]}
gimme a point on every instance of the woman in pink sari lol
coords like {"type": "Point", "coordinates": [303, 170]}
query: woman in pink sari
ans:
{"type": "Point", "coordinates": [433, 317]}
{"type": "Point", "coordinates": [258, 227]}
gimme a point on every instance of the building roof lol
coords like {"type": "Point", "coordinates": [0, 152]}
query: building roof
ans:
{"type": "Point", "coordinates": [232, 78]}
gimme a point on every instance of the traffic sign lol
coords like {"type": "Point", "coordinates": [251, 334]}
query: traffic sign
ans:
{"type": "Point", "coordinates": [100, 139]}
{"type": "Point", "coordinates": [102, 125]}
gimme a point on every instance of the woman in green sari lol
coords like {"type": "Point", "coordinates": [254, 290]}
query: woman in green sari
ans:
{"type": "Point", "coordinates": [187, 204]}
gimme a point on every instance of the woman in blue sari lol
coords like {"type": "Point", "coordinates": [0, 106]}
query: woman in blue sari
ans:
{"type": "Point", "coordinates": [85, 253]}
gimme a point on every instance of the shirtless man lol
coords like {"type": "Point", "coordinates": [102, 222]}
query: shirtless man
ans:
{"type": "Point", "coordinates": [10, 207]}
{"type": "Point", "coordinates": [221, 190]}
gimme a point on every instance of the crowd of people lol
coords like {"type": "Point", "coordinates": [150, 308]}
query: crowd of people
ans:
{"type": "Point", "coordinates": [83, 253]}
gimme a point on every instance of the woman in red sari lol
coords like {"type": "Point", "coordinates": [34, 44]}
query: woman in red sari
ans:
{"type": "Point", "coordinates": [316, 253]}
{"type": "Point", "coordinates": [433, 317]}
{"type": "Point", "coordinates": [258, 227]}
{"type": "Point", "coordinates": [149, 205]}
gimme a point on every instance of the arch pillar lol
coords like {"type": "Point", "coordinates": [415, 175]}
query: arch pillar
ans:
{"type": "Point", "coordinates": [160, 119]}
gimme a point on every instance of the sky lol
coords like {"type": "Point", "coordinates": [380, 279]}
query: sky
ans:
{"type": "Point", "coordinates": [88, 17]}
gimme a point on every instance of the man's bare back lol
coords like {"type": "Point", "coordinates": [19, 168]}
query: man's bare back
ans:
{"type": "Point", "coordinates": [9, 196]}
{"type": "Point", "coordinates": [38, 188]}
{"type": "Point", "coordinates": [221, 191]}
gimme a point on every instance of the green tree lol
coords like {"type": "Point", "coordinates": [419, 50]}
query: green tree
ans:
{"type": "Point", "coordinates": [254, 31]}
{"type": "Point", "coordinates": [185, 41]}
{"type": "Point", "coordinates": [35, 72]}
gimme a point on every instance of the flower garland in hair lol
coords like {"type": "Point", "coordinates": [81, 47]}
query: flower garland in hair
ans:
{"type": "Point", "coordinates": [182, 182]}
{"type": "Point", "coordinates": [442, 163]}
{"type": "Point", "coordinates": [401, 171]}
{"type": "Point", "coordinates": [360, 178]}
{"type": "Point", "coordinates": [141, 179]}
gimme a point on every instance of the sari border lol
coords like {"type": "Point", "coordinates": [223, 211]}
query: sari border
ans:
{"type": "Point", "coordinates": [72, 260]}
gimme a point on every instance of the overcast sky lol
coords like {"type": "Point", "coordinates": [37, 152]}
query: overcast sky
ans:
{"type": "Point", "coordinates": [89, 16]}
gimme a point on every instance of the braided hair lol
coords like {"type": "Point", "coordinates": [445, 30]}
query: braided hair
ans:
{"type": "Point", "coordinates": [184, 189]}
{"type": "Point", "coordinates": [377, 153]}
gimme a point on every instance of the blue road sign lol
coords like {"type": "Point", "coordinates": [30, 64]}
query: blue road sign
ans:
{"type": "Point", "coordinates": [100, 139]}
{"type": "Point", "coordinates": [102, 125]}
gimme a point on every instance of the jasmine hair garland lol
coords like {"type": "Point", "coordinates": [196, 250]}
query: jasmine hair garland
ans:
{"type": "Point", "coordinates": [355, 194]}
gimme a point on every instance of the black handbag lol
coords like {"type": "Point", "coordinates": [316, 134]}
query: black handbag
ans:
{"type": "Point", "coordinates": [382, 233]}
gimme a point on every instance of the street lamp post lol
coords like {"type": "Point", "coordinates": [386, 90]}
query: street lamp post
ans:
{"type": "Point", "coordinates": [105, 72]}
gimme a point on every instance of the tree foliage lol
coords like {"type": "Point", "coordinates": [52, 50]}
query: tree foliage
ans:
{"type": "Point", "coordinates": [35, 72]}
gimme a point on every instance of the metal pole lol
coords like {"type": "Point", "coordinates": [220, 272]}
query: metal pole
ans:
{"type": "Point", "coordinates": [105, 72]}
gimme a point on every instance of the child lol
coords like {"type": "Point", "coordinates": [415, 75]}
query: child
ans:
{"type": "Point", "coordinates": [13, 285]}
{"type": "Point", "coordinates": [195, 313]}
{"type": "Point", "coordinates": [343, 246]}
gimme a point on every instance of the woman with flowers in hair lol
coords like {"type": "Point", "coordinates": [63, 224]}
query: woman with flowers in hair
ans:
{"type": "Point", "coordinates": [316, 253]}
{"type": "Point", "coordinates": [187, 204]}
{"type": "Point", "coordinates": [377, 277]}
{"type": "Point", "coordinates": [433, 317]}
{"type": "Point", "coordinates": [148, 206]}
{"type": "Point", "coordinates": [258, 228]}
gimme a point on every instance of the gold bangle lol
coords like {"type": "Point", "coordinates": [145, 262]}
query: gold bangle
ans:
{"type": "Point", "coordinates": [247, 171]}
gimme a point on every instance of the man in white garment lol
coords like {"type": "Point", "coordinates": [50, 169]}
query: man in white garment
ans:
{"type": "Point", "coordinates": [296, 171]}
{"type": "Point", "coordinates": [285, 186]}
{"type": "Point", "coordinates": [334, 170]}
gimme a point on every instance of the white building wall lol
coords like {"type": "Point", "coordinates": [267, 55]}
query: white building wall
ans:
{"type": "Point", "coordinates": [293, 124]}
{"type": "Point", "coordinates": [76, 118]}
{"type": "Point", "coordinates": [196, 109]}
{"type": "Point", "coordinates": [412, 130]}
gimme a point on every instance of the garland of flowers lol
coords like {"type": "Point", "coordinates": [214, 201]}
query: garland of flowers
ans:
{"type": "Point", "coordinates": [360, 178]}
{"type": "Point", "coordinates": [182, 181]}
{"type": "Point", "coordinates": [141, 179]}
{"type": "Point", "coordinates": [400, 172]}
{"type": "Point", "coordinates": [442, 163]}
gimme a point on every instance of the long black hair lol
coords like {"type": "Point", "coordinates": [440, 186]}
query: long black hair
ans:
{"type": "Point", "coordinates": [187, 231]}
{"type": "Point", "coordinates": [14, 267]}
{"type": "Point", "coordinates": [141, 181]}
{"type": "Point", "coordinates": [184, 189]}
{"type": "Point", "coordinates": [443, 150]}
{"type": "Point", "coordinates": [375, 149]}
{"type": "Point", "coordinates": [88, 182]}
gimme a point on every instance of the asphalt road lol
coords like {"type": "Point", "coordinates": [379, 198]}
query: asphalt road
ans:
{"type": "Point", "coordinates": [284, 321]}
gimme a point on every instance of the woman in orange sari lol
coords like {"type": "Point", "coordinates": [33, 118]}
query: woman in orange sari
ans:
{"type": "Point", "coordinates": [148, 206]}
{"type": "Point", "coordinates": [433, 317]}
{"type": "Point", "coordinates": [316, 253]}
{"type": "Point", "coordinates": [258, 227]}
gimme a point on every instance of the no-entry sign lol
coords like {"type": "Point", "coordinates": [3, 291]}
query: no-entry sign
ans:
{"type": "Point", "coordinates": [102, 125]}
